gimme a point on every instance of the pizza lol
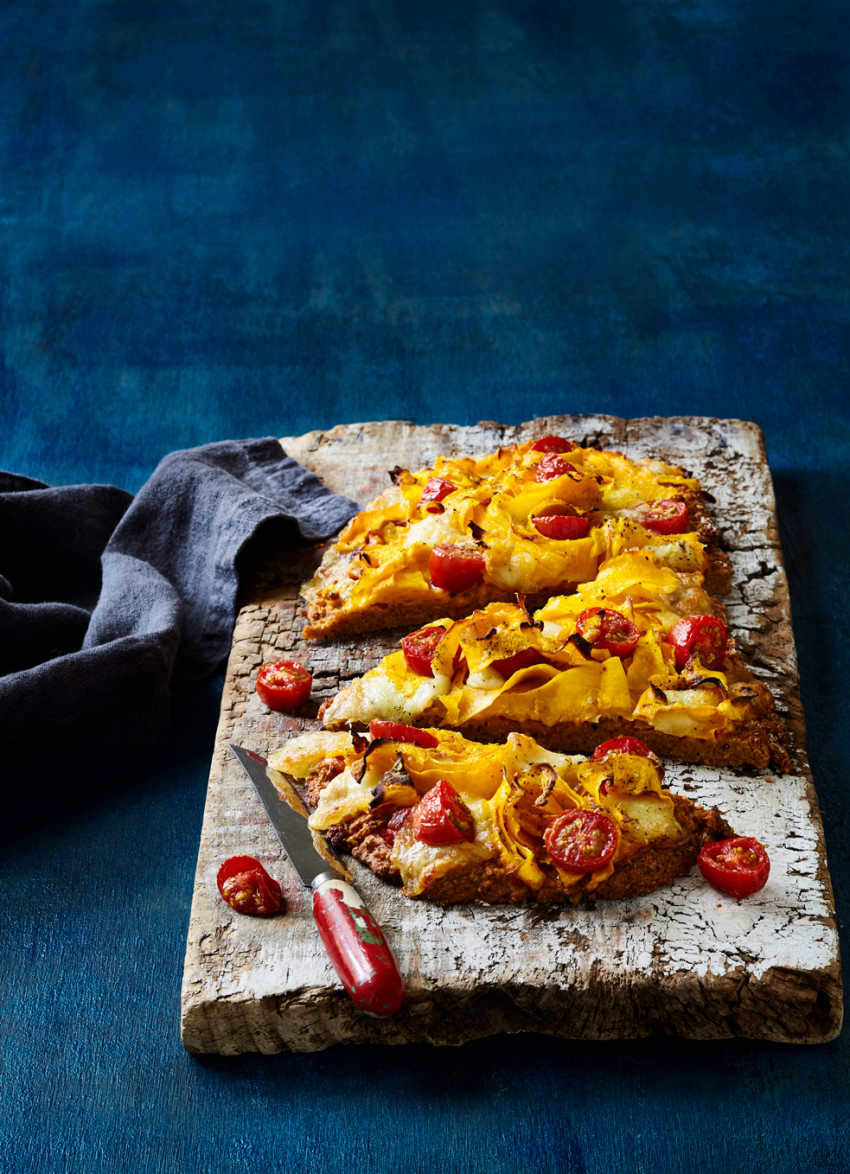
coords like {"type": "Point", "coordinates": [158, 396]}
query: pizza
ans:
{"type": "Point", "coordinates": [639, 651]}
{"type": "Point", "coordinates": [536, 519]}
{"type": "Point", "coordinates": [454, 820]}
{"type": "Point", "coordinates": [565, 634]}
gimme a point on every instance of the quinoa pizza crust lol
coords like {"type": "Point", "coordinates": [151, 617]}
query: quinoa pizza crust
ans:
{"type": "Point", "coordinates": [539, 518]}
{"type": "Point", "coordinates": [506, 668]}
{"type": "Point", "coordinates": [452, 820]}
{"type": "Point", "coordinates": [681, 958]}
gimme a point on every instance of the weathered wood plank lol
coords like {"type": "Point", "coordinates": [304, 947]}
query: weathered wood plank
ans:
{"type": "Point", "coordinates": [681, 961]}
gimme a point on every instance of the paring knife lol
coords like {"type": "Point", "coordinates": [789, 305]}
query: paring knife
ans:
{"type": "Point", "coordinates": [353, 939]}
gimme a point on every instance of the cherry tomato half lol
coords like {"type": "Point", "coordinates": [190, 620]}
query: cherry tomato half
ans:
{"type": "Point", "coordinates": [399, 733]}
{"type": "Point", "coordinates": [561, 527]}
{"type": "Point", "coordinates": [667, 516]}
{"type": "Point", "coordinates": [419, 648]}
{"type": "Point", "coordinates": [455, 568]}
{"type": "Point", "coordinates": [436, 489]}
{"type": "Point", "coordinates": [706, 636]}
{"type": "Point", "coordinates": [552, 444]}
{"type": "Point", "coordinates": [553, 466]}
{"type": "Point", "coordinates": [621, 745]}
{"type": "Point", "coordinates": [605, 628]}
{"type": "Point", "coordinates": [246, 886]}
{"type": "Point", "coordinates": [394, 825]}
{"type": "Point", "coordinates": [286, 684]}
{"type": "Point", "coordinates": [520, 660]}
{"type": "Point", "coordinates": [581, 841]}
{"type": "Point", "coordinates": [626, 745]}
{"type": "Point", "coordinates": [739, 867]}
{"type": "Point", "coordinates": [441, 817]}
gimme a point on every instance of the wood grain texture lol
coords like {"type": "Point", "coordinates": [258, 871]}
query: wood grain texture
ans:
{"type": "Point", "coordinates": [683, 961]}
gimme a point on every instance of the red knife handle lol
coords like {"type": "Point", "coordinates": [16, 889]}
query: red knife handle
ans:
{"type": "Point", "coordinates": [356, 947]}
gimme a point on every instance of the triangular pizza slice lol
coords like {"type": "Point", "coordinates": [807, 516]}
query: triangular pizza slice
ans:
{"type": "Point", "coordinates": [537, 519]}
{"type": "Point", "coordinates": [642, 650]}
{"type": "Point", "coordinates": [453, 820]}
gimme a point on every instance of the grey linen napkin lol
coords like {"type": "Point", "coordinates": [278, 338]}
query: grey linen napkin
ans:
{"type": "Point", "coordinates": [109, 603]}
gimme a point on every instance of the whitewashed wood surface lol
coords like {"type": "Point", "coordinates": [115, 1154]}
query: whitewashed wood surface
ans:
{"type": "Point", "coordinates": [685, 960]}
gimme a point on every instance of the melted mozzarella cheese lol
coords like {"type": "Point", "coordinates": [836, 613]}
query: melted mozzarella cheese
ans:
{"type": "Point", "coordinates": [303, 753]}
{"type": "Point", "coordinates": [650, 816]}
{"type": "Point", "coordinates": [678, 556]}
{"type": "Point", "coordinates": [341, 798]}
{"type": "Point", "coordinates": [431, 530]}
{"type": "Point", "coordinates": [528, 753]}
{"type": "Point", "coordinates": [486, 678]}
{"type": "Point", "coordinates": [384, 699]}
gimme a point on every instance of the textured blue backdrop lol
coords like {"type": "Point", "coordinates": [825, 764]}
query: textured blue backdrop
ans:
{"type": "Point", "coordinates": [228, 220]}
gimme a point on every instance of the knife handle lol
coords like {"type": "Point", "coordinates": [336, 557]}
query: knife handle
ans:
{"type": "Point", "coordinates": [356, 947]}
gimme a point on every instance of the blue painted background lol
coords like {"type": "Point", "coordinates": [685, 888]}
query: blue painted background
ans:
{"type": "Point", "coordinates": [240, 219]}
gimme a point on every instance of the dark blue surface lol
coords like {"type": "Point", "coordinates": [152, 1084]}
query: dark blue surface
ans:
{"type": "Point", "coordinates": [228, 220]}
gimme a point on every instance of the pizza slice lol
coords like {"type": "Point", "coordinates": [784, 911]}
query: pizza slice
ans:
{"type": "Point", "coordinates": [537, 519]}
{"type": "Point", "coordinates": [454, 820]}
{"type": "Point", "coordinates": [642, 651]}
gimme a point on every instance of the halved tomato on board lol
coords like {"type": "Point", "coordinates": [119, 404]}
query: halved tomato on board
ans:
{"type": "Point", "coordinates": [739, 867]}
{"type": "Point", "coordinates": [246, 886]}
{"type": "Point", "coordinates": [286, 684]}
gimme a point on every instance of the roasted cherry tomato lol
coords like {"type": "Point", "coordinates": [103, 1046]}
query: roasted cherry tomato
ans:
{"type": "Point", "coordinates": [284, 684]}
{"type": "Point", "coordinates": [519, 660]}
{"type": "Point", "coordinates": [706, 636]}
{"type": "Point", "coordinates": [459, 661]}
{"type": "Point", "coordinates": [419, 648]}
{"type": "Point", "coordinates": [581, 841]}
{"type": "Point", "coordinates": [441, 817]}
{"type": "Point", "coordinates": [561, 526]}
{"type": "Point", "coordinates": [553, 466]}
{"type": "Point", "coordinates": [455, 568]}
{"type": "Point", "coordinates": [739, 867]}
{"type": "Point", "coordinates": [246, 886]}
{"type": "Point", "coordinates": [605, 628]}
{"type": "Point", "coordinates": [399, 733]}
{"type": "Point", "coordinates": [621, 745]}
{"type": "Point", "coordinates": [668, 516]}
{"type": "Point", "coordinates": [436, 489]}
{"type": "Point", "coordinates": [394, 825]}
{"type": "Point", "coordinates": [626, 745]}
{"type": "Point", "coordinates": [552, 444]}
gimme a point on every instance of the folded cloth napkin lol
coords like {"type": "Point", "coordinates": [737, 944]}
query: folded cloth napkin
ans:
{"type": "Point", "coordinates": [109, 603]}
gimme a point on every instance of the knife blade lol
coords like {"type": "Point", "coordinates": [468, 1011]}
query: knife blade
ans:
{"type": "Point", "coordinates": [354, 941]}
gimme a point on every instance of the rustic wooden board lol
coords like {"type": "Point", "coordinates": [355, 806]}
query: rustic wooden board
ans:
{"type": "Point", "coordinates": [683, 961]}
